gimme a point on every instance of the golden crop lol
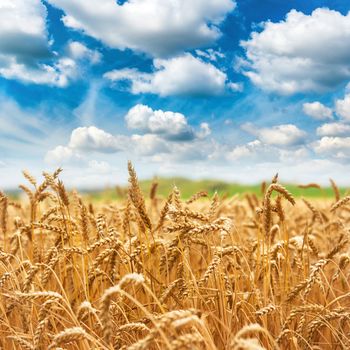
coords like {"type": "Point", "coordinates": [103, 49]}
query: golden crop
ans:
{"type": "Point", "coordinates": [239, 273]}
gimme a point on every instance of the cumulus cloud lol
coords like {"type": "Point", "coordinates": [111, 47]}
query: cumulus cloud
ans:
{"type": "Point", "coordinates": [157, 27]}
{"type": "Point", "coordinates": [333, 129]}
{"type": "Point", "coordinates": [303, 53]}
{"type": "Point", "coordinates": [83, 141]}
{"type": "Point", "coordinates": [182, 75]}
{"type": "Point", "coordinates": [317, 110]}
{"type": "Point", "coordinates": [342, 107]}
{"type": "Point", "coordinates": [167, 135]}
{"type": "Point", "coordinates": [337, 147]}
{"type": "Point", "coordinates": [94, 139]}
{"type": "Point", "coordinates": [25, 51]}
{"type": "Point", "coordinates": [170, 125]}
{"type": "Point", "coordinates": [278, 135]}
{"type": "Point", "coordinates": [23, 41]}
{"type": "Point", "coordinates": [23, 30]}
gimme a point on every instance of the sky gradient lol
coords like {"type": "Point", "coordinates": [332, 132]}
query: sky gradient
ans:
{"type": "Point", "coordinates": [224, 89]}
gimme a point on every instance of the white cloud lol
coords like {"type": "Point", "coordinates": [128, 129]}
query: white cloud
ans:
{"type": "Point", "coordinates": [170, 125]}
{"type": "Point", "coordinates": [182, 75]}
{"type": "Point", "coordinates": [83, 141]}
{"type": "Point", "coordinates": [317, 110]}
{"type": "Point", "coordinates": [62, 155]}
{"type": "Point", "coordinates": [333, 129]}
{"type": "Point", "coordinates": [336, 147]}
{"type": "Point", "coordinates": [79, 51]}
{"type": "Point", "coordinates": [300, 54]}
{"type": "Point", "coordinates": [59, 73]}
{"type": "Point", "coordinates": [94, 139]}
{"type": "Point", "coordinates": [41, 74]}
{"type": "Point", "coordinates": [278, 135]}
{"type": "Point", "coordinates": [342, 107]}
{"type": "Point", "coordinates": [167, 136]}
{"type": "Point", "coordinates": [156, 27]}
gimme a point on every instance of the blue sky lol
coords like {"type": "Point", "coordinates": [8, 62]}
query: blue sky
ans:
{"type": "Point", "coordinates": [236, 90]}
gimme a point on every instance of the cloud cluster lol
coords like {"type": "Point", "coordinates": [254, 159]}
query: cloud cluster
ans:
{"type": "Point", "coordinates": [181, 75]}
{"type": "Point", "coordinates": [157, 27]}
{"type": "Point", "coordinates": [280, 144]}
{"type": "Point", "coordinates": [303, 53]}
{"type": "Point", "coordinates": [59, 74]}
{"type": "Point", "coordinates": [25, 50]}
{"type": "Point", "coordinates": [85, 140]}
{"type": "Point", "coordinates": [334, 141]}
{"type": "Point", "coordinates": [23, 35]}
{"type": "Point", "coordinates": [152, 26]}
{"type": "Point", "coordinates": [333, 147]}
{"type": "Point", "coordinates": [278, 135]}
{"type": "Point", "coordinates": [300, 54]}
{"type": "Point", "coordinates": [159, 133]}
{"type": "Point", "coordinates": [23, 41]}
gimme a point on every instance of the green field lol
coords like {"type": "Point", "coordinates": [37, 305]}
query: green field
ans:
{"type": "Point", "coordinates": [189, 187]}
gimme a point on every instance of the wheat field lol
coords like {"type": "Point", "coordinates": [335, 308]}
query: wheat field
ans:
{"type": "Point", "coordinates": [165, 273]}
